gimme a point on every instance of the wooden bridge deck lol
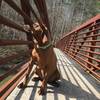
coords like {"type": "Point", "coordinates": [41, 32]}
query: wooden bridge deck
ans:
{"type": "Point", "coordinates": [75, 84]}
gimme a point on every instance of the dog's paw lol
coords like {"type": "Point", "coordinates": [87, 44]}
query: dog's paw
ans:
{"type": "Point", "coordinates": [21, 85]}
{"type": "Point", "coordinates": [36, 79]}
{"type": "Point", "coordinates": [41, 91]}
{"type": "Point", "coordinates": [54, 83]}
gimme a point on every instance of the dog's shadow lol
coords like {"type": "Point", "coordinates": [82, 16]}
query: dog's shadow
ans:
{"type": "Point", "coordinates": [69, 90]}
{"type": "Point", "coordinates": [66, 88]}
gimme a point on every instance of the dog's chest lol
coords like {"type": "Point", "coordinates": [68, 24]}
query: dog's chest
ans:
{"type": "Point", "coordinates": [41, 56]}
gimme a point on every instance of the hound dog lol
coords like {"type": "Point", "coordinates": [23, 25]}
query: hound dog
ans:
{"type": "Point", "coordinates": [44, 56]}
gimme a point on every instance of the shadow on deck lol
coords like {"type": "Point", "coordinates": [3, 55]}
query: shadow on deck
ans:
{"type": "Point", "coordinates": [75, 84]}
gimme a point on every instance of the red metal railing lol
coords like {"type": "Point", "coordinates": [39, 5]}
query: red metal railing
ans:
{"type": "Point", "coordinates": [26, 66]}
{"type": "Point", "coordinates": [83, 45]}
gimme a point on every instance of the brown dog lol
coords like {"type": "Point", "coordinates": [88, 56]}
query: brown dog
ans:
{"type": "Point", "coordinates": [43, 54]}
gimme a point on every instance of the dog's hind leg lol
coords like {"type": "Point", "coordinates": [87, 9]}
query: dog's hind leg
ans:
{"type": "Point", "coordinates": [53, 79]}
{"type": "Point", "coordinates": [55, 76]}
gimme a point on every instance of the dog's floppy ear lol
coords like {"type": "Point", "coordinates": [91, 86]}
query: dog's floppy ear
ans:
{"type": "Point", "coordinates": [27, 28]}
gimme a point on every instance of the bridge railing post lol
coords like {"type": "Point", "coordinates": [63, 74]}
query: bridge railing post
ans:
{"type": "Point", "coordinates": [92, 48]}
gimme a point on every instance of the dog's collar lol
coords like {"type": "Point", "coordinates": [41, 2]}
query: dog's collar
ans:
{"type": "Point", "coordinates": [46, 46]}
{"type": "Point", "coordinates": [41, 47]}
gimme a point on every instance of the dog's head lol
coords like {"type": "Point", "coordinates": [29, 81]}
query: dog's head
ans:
{"type": "Point", "coordinates": [39, 34]}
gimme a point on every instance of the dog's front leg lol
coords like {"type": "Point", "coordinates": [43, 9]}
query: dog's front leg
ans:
{"type": "Point", "coordinates": [44, 83]}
